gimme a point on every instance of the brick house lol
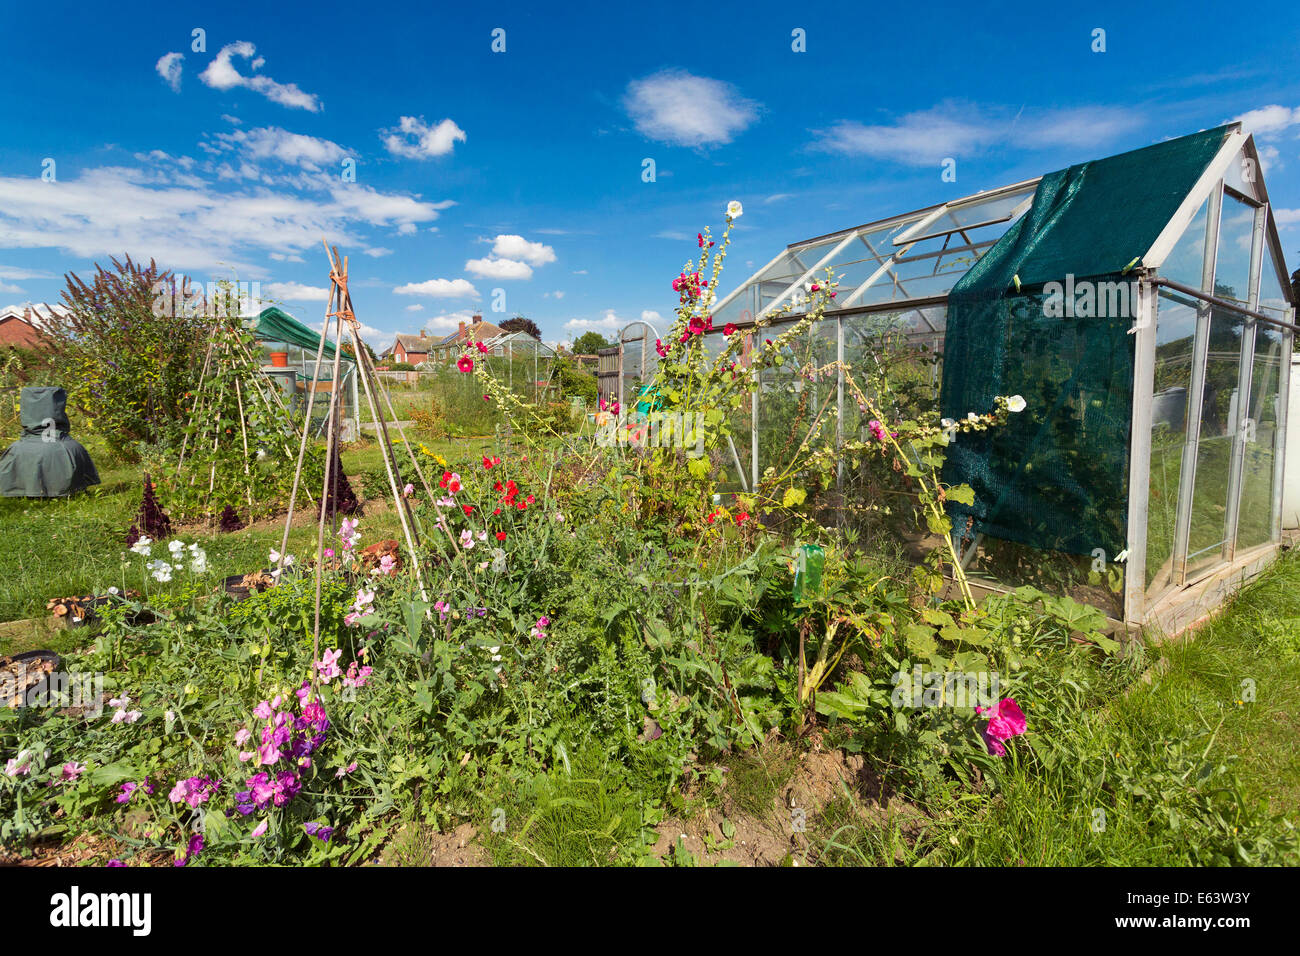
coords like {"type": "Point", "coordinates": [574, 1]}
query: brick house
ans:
{"type": "Point", "coordinates": [448, 349]}
{"type": "Point", "coordinates": [21, 327]}
{"type": "Point", "coordinates": [411, 348]}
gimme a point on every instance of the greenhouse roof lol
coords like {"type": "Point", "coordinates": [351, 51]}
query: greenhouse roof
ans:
{"type": "Point", "coordinates": [274, 325]}
{"type": "Point", "coordinates": [1132, 206]}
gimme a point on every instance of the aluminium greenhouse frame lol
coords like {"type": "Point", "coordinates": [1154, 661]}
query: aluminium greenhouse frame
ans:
{"type": "Point", "coordinates": [903, 268]}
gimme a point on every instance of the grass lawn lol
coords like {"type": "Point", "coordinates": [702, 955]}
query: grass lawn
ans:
{"type": "Point", "coordinates": [62, 547]}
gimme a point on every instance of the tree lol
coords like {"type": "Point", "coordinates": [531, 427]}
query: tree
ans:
{"type": "Point", "coordinates": [589, 343]}
{"type": "Point", "coordinates": [521, 324]}
{"type": "Point", "coordinates": [347, 350]}
{"type": "Point", "coordinates": [125, 354]}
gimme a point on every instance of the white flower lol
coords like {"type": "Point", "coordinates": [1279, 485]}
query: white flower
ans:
{"type": "Point", "coordinates": [735, 210]}
{"type": "Point", "coordinates": [175, 547]}
{"type": "Point", "coordinates": [199, 564]}
{"type": "Point", "coordinates": [161, 571]}
{"type": "Point", "coordinates": [498, 560]}
{"type": "Point", "coordinates": [1016, 403]}
{"type": "Point", "coordinates": [275, 558]}
{"type": "Point", "coordinates": [112, 591]}
{"type": "Point", "coordinates": [142, 546]}
{"type": "Point", "coordinates": [261, 454]}
{"type": "Point", "coordinates": [119, 702]}
{"type": "Point", "coordinates": [467, 539]}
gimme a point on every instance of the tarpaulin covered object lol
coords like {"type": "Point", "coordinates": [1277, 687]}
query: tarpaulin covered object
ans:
{"type": "Point", "coordinates": [46, 462]}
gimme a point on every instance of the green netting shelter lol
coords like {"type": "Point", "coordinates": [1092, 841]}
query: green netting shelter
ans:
{"type": "Point", "coordinates": [1139, 304]}
{"type": "Point", "coordinates": [278, 331]}
{"type": "Point", "coordinates": [46, 462]}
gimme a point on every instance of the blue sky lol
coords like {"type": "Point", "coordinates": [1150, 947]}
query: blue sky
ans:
{"type": "Point", "coordinates": [522, 170]}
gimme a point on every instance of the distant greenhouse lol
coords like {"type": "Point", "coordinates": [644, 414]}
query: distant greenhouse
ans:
{"type": "Point", "coordinates": [1139, 304]}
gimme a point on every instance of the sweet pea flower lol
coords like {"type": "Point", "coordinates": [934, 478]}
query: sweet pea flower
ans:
{"type": "Point", "coordinates": [20, 765]}
{"type": "Point", "coordinates": [328, 666]}
{"type": "Point", "coordinates": [1006, 720]}
{"type": "Point", "coordinates": [408, 490]}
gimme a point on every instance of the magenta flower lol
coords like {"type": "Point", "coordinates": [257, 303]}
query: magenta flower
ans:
{"type": "Point", "coordinates": [194, 791]}
{"type": "Point", "coordinates": [877, 430]}
{"type": "Point", "coordinates": [1005, 721]}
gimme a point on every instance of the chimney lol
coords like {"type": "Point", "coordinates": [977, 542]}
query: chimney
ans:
{"type": "Point", "coordinates": [477, 319]}
{"type": "Point", "coordinates": [422, 334]}
{"type": "Point", "coordinates": [462, 328]}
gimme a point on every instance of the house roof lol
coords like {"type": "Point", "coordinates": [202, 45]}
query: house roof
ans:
{"type": "Point", "coordinates": [24, 325]}
{"type": "Point", "coordinates": [478, 332]}
{"type": "Point", "coordinates": [415, 343]}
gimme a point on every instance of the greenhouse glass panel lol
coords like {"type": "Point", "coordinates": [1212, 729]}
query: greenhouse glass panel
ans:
{"type": "Point", "coordinates": [1175, 338]}
{"type": "Point", "coordinates": [1236, 230]}
{"type": "Point", "coordinates": [1219, 409]}
{"type": "Point", "coordinates": [990, 217]}
{"type": "Point", "coordinates": [1272, 301]}
{"type": "Point", "coordinates": [1255, 520]}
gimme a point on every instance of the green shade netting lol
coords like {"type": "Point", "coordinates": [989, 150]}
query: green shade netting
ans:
{"type": "Point", "coordinates": [46, 462]}
{"type": "Point", "coordinates": [272, 325]}
{"type": "Point", "coordinates": [1056, 476]}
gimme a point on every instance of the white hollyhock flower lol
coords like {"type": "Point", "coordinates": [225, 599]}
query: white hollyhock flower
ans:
{"type": "Point", "coordinates": [735, 210]}
{"type": "Point", "coordinates": [1016, 403]}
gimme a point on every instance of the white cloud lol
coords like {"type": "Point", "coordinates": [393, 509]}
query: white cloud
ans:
{"type": "Point", "coordinates": [294, 149]}
{"type": "Point", "coordinates": [378, 252]}
{"type": "Point", "coordinates": [6, 287]}
{"type": "Point", "coordinates": [670, 234]}
{"type": "Point", "coordinates": [13, 272]}
{"type": "Point", "coordinates": [281, 257]}
{"type": "Point", "coordinates": [169, 68]}
{"type": "Point", "coordinates": [414, 308]}
{"type": "Point", "coordinates": [499, 269]}
{"type": "Point", "coordinates": [232, 120]}
{"type": "Point", "coordinates": [1268, 120]}
{"type": "Point", "coordinates": [412, 138]}
{"type": "Point", "coordinates": [955, 130]}
{"type": "Point", "coordinates": [1285, 218]}
{"type": "Point", "coordinates": [519, 248]}
{"type": "Point", "coordinates": [609, 322]}
{"type": "Point", "coordinates": [296, 292]}
{"type": "Point", "coordinates": [222, 75]}
{"type": "Point", "coordinates": [681, 109]}
{"type": "Point", "coordinates": [650, 315]}
{"type": "Point", "coordinates": [557, 294]}
{"type": "Point", "coordinates": [439, 289]}
{"type": "Point", "coordinates": [116, 210]}
{"type": "Point", "coordinates": [448, 321]}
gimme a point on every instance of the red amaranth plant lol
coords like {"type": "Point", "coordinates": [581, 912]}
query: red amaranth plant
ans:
{"type": "Point", "coordinates": [340, 498]}
{"type": "Point", "coordinates": [150, 521]}
{"type": "Point", "coordinates": [230, 520]}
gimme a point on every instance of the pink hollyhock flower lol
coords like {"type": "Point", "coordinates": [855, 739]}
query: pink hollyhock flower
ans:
{"type": "Point", "coordinates": [1005, 721]}
{"type": "Point", "coordinates": [877, 430]}
{"type": "Point", "coordinates": [465, 364]}
{"type": "Point", "coordinates": [696, 325]}
{"type": "Point", "coordinates": [661, 348]}
{"type": "Point", "coordinates": [482, 348]}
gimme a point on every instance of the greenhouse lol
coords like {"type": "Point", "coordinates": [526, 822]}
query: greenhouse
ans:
{"type": "Point", "coordinates": [1140, 305]}
{"type": "Point", "coordinates": [288, 354]}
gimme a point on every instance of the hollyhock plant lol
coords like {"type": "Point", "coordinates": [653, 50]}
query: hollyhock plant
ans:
{"type": "Point", "coordinates": [1005, 721]}
{"type": "Point", "coordinates": [465, 364]}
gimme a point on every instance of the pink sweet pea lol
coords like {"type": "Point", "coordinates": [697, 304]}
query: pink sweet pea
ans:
{"type": "Point", "coordinates": [1005, 721]}
{"type": "Point", "coordinates": [328, 667]}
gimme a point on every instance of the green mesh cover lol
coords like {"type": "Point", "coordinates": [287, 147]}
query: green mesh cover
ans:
{"type": "Point", "coordinates": [1056, 476]}
{"type": "Point", "coordinates": [272, 325]}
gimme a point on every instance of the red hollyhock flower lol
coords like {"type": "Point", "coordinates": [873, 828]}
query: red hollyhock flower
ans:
{"type": "Point", "coordinates": [465, 363]}
{"type": "Point", "coordinates": [482, 348]}
{"type": "Point", "coordinates": [729, 329]}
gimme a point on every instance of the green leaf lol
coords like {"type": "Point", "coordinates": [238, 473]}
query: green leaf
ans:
{"type": "Point", "coordinates": [920, 640]}
{"type": "Point", "coordinates": [962, 494]}
{"type": "Point", "coordinates": [793, 497]}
